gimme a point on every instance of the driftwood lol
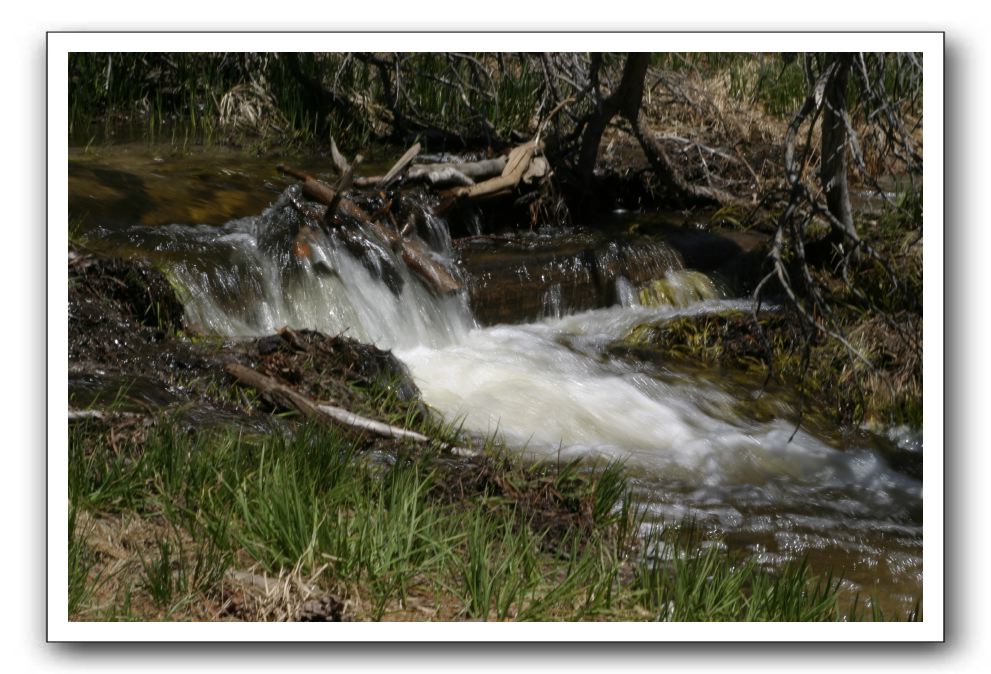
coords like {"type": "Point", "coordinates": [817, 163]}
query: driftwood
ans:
{"type": "Point", "coordinates": [539, 168]}
{"type": "Point", "coordinates": [444, 174]}
{"type": "Point", "coordinates": [416, 256]}
{"type": "Point", "coordinates": [283, 396]}
{"type": "Point", "coordinates": [340, 163]}
{"type": "Point", "coordinates": [82, 415]}
{"type": "Point", "coordinates": [516, 165]}
{"type": "Point", "coordinates": [398, 167]}
{"type": "Point", "coordinates": [482, 179]}
{"type": "Point", "coordinates": [474, 170]}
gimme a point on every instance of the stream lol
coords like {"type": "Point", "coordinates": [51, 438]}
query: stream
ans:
{"type": "Point", "coordinates": [524, 354]}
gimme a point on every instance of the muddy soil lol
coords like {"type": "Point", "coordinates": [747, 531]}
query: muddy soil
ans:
{"type": "Point", "coordinates": [128, 349]}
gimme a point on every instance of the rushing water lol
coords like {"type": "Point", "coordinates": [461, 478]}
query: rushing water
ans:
{"type": "Point", "coordinates": [550, 388]}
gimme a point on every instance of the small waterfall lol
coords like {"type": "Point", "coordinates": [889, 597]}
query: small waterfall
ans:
{"type": "Point", "coordinates": [552, 302]}
{"type": "Point", "coordinates": [525, 279]}
{"type": "Point", "coordinates": [678, 288]}
{"type": "Point", "coordinates": [626, 293]}
{"type": "Point", "coordinates": [253, 276]}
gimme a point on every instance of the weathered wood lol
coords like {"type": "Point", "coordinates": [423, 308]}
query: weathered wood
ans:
{"type": "Point", "coordinates": [283, 396]}
{"type": "Point", "coordinates": [445, 174]}
{"type": "Point", "coordinates": [516, 165]}
{"type": "Point", "coordinates": [539, 168]}
{"type": "Point", "coordinates": [486, 168]}
{"type": "Point", "coordinates": [398, 167]}
{"type": "Point", "coordinates": [339, 161]}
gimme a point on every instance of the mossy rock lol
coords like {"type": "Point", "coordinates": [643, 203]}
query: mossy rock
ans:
{"type": "Point", "coordinates": [679, 289]}
{"type": "Point", "coordinates": [729, 339]}
{"type": "Point", "coordinates": [845, 388]}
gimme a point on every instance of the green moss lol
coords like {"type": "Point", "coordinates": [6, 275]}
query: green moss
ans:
{"type": "Point", "coordinates": [831, 383]}
{"type": "Point", "coordinates": [678, 288]}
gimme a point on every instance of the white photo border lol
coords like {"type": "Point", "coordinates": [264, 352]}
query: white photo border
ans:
{"type": "Point", "coordinates": [930, 44]}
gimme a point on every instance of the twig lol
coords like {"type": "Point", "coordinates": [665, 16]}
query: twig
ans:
{"type": "Point", "coordinates": [283, 396]}
{"type": "Point", "coordinates": [398, 167]}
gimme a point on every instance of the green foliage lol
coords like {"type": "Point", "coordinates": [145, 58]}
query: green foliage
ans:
{"type": "Point", "coordinates": [309, 503]}
{"type": "Point", "coordinates": [179, 98]}
{"type": "Point", "coordinates": [101, 478]}
{"type": "Point", "coordinates": [695, 580]}
{"type": "Point", "coordinates": [280, 514]}
{"type": "Point", "coordinates": [499, 565]}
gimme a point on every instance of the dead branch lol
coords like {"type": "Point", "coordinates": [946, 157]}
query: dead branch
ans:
{"type": "Point", "coordinates": [413, 252]}
{"type": "Point", "coordinates": [445, 174]}
{"type": "Point", "coordinates": [283, 396]}
{"type": "Point", "coordinates": [398, 167]}
{"type": "Point", "coordinates": [671, 177]}
{"type": "Point", "coordinates": [82, 415]}
{"type": "Point", "coordinates": [516, 165]}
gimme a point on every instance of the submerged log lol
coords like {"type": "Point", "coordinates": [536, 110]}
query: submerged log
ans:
{"type": "Point", "coordinates": [416, 255]}
{"type": "Point", "coordinates": [313, 189]}
{"type": "Point", "coordinates": [283, 396]}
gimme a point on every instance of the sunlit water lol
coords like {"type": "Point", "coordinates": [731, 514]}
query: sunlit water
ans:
{"type": "Point", "coordinates": [550, 389]}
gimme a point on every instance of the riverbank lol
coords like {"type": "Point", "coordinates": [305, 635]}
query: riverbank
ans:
{"type": "Point", "coordinates": [194, 498]}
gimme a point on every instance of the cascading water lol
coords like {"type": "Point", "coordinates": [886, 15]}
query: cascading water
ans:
{"type": "Point", "coordinates": [550, 387]}
{"type": "Point", "coordinates": [245, 279]}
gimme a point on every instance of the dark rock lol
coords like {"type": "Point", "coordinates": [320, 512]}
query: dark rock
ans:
{"type": "Point", "coordinates": [326, 609]}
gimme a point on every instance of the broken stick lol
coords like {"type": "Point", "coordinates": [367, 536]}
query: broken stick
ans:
{"type": "Point", "coordinates": [398, 167]}
{"type": "Point", "coordinates": [281, 395]}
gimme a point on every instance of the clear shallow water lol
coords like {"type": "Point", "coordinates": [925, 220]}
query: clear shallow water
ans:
{"type": "Point", "coordinates": [550, 388]}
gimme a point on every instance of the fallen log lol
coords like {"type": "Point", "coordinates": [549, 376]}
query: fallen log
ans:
{"type": "Point", "coordinates": [476, 170]}
{"type": "Point", "coordinates": [281, 395]}
{"type": "Point", "coordinates": [444, 176]}
{"type": "Point", "coordinates": [417, 257]}
{"type": "Point", "coordinates": [539, 168]}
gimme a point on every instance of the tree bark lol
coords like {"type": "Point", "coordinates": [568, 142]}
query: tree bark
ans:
{"type": "Point", "coordinates": [833, 165]}
{"type": "Point", "coordinates": [624, 100]}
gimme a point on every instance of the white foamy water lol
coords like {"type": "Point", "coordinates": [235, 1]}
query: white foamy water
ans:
{"type": "Point", "coordinates": [546, 387]}
{"type": "Point", "coordinates": [245, 280]}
